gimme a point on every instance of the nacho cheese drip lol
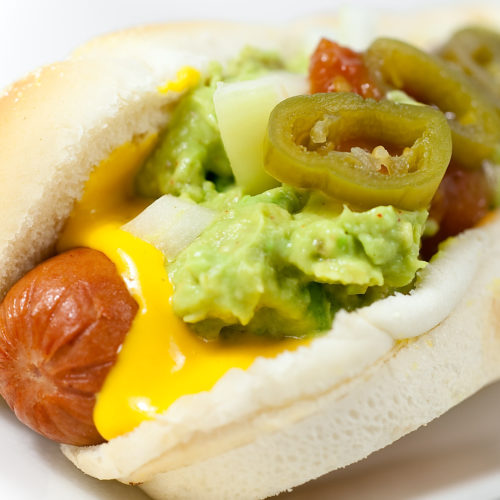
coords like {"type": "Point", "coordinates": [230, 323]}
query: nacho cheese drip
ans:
{"type": "Point", "coordinates": [161, 359]}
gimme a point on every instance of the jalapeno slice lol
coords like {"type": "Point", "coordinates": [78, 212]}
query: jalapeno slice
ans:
{"type": "Point", "coordinates": [360, 151]}
{"type": "Point", "coordinates": [477, 52]}
{"type": "Point", "coordinates": [474, 123]}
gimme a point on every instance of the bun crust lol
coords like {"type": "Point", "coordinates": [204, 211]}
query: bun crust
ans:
{"type": "Point", "coordinates": [342, 400]}
{"type": "Point", "coordinates": [346, 395]}
{"type": "Point", "coordinates": [62, 120]}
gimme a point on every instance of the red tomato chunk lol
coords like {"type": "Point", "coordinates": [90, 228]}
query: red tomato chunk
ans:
{"type": "Point", "coordinates": [334, 68]}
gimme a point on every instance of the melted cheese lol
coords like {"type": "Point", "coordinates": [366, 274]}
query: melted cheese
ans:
{"type": "Point", "coordinates": [161, 359]}
{"type": "Point", "coordinates": [187, 77]}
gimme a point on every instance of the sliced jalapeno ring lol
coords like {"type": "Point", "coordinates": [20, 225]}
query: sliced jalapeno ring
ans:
{"type": "Point", "coordinates": [477, 52]}
{"type": "Point", "coordinates": [474, 122]}
{"type": "Point", "coordinates": [325, 141]}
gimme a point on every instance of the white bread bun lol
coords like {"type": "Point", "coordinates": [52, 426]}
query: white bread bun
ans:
{"type": "Point", "coordinates": [283, 421]}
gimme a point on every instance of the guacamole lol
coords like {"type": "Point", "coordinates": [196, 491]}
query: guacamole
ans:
{"type": "Point", "coordinates": [274, 262]}
{"type": "Point", "coordinates": [279, 263]}
{"type": "Point", "coordinates": [190, 160]}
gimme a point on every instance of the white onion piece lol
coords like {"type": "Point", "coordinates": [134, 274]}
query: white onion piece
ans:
{"type": "Point", "coordinates": [170, 224]}
{"type": "Point", "coordinates": [243, 110]}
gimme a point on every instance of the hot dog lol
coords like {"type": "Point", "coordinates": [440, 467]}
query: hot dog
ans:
{"type": "Point", "coordinates": [62, 325]}
{"type": "Point", "coordinates": [247, 428]}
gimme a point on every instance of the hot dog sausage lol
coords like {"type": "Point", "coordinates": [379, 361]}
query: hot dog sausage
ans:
{"type": "Point", "coordinates": [61, 328]}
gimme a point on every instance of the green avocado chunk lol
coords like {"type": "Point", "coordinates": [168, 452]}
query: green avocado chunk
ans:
{"type": "Point", "coordinates": [190, 160]}
{"type": "Point", "coordinates": [283, 262]}
{"type": "Point", "coordinates": [190, 150]}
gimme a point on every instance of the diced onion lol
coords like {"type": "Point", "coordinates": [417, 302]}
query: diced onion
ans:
{"type": "Point", "coordinates": [170, 224]}
{"type": "Point", "coordinates": [243, 110]}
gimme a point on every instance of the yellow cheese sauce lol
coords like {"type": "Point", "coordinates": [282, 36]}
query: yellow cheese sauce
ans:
{"type": "Point", "coordinates": [161, 359]}
{"type": "Point", "coordinates": [187, 77]}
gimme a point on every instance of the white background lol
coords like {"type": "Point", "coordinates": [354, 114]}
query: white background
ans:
{"type": "Point", "coordinates": [455, 457]}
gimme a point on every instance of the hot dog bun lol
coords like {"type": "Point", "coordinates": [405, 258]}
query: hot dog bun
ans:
{"type": "Point", "coordinates": [283, 421]}
{"type": "Point", "coordinates": [336, 407]}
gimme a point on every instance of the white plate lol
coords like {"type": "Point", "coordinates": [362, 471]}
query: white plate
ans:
{"type": "Point", "coordinates": [455, 457]}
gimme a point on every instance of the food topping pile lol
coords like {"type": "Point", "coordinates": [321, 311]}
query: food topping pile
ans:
{"type": "Point", "coordinates": [322, 198]}
{"type": "Point", "coordinates": [274, 198]}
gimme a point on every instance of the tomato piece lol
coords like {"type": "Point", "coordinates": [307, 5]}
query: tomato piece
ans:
{"type": "Point", "coordinates": [334, 68]}
{"type": "Point", "coordinates": [463, 198]}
